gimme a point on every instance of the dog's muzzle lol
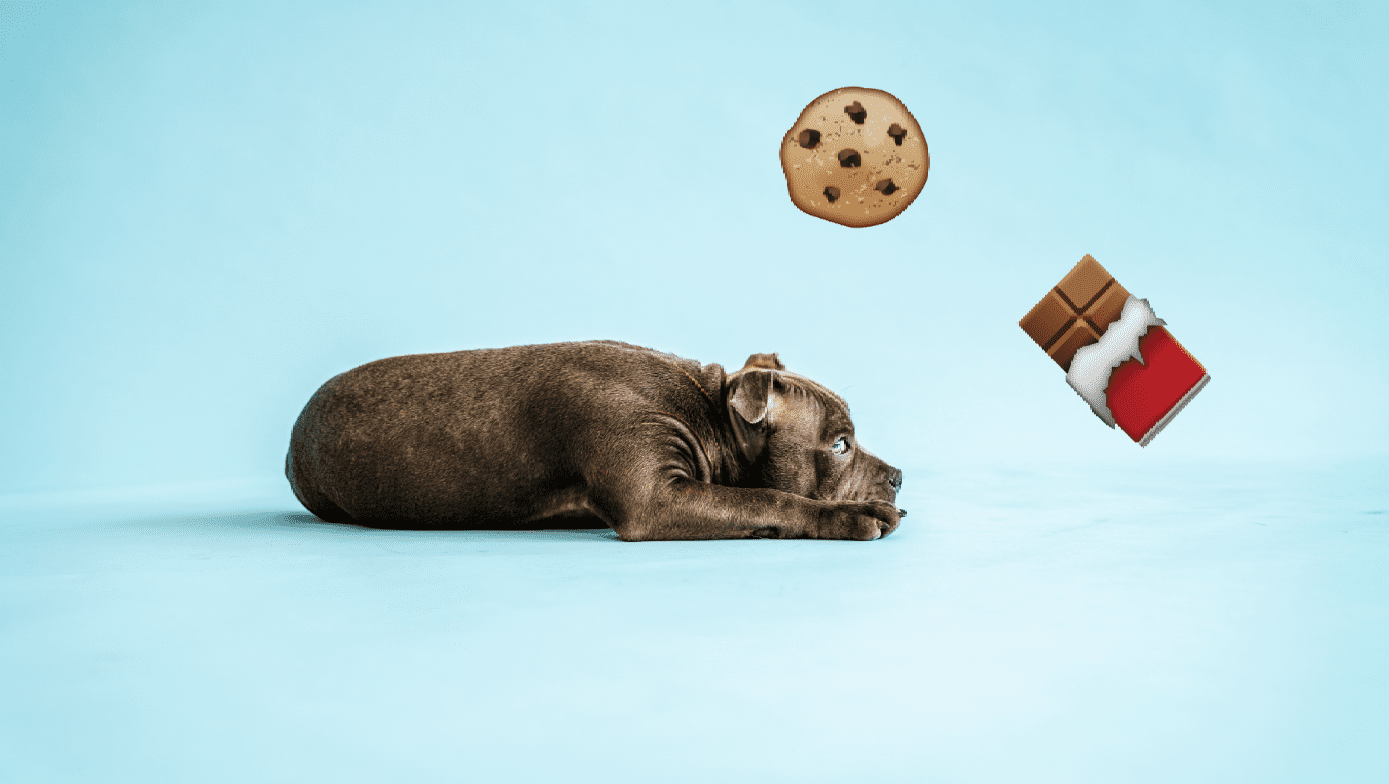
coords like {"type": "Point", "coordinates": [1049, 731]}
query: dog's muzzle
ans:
{"type": "Point", "coordinates": [894, 480]}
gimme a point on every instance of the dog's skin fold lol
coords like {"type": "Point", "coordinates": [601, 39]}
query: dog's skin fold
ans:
{"type": "Point", "coordinates": [655, 446]}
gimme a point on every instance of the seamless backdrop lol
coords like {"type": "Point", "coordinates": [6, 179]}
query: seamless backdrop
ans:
{"type": "Point", "coordinates": [208, 209]}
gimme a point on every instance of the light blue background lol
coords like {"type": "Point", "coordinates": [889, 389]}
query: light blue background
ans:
{"type": "Point", "coordinates": [207, 209]}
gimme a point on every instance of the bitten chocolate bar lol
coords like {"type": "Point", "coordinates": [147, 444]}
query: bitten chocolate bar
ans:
{"type": "Point", "coordinates": [1115, 350]}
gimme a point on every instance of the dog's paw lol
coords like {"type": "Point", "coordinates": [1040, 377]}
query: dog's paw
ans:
{"type": "Point", "coordinates": [861, 520]}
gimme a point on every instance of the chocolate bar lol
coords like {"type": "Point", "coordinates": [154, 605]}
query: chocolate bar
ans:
{"type": "Point", "coordinates": [1076, 312]}
{"type": "Point", "coordinates": [1117, 353]}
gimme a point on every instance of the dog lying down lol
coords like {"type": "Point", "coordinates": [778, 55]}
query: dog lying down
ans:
{"type": "Point", "coordinates": [655, 446]}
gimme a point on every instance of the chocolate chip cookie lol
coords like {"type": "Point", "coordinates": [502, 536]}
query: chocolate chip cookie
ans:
{"type": "Point", "coordinates": [856, 157]}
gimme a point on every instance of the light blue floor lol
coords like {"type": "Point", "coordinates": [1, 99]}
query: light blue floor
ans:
{"type": "Point", "coordinates": [1205, 624]}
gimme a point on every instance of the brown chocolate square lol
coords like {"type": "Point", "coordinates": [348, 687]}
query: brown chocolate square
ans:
{"type": "Point", "coordinates": [1076, 312]}
{"type": "Point", "coordinates": [1107, 307]}
{"type": "Point", "coordinates": [1064, 350]}
{"type": "Point", "coordinates": [1047, 319]}
{"type": "Point", "coordinates": [1084, 283]}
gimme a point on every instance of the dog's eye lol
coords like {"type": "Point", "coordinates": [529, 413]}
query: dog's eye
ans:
{"type": "Point", "coordinates": [840, 446]}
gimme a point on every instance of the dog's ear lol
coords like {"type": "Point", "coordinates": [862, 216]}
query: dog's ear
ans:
{"type": "Point", "coordinates": [768, 361]}
{"type": "Point", "coordinates": [751, 391]}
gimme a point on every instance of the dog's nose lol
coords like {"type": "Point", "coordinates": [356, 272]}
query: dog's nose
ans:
{"type": "Point", "coordinates": [894, 478]}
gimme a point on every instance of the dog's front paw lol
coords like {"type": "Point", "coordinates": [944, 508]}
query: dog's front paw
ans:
{"type": "Point", "coordinates": [862, 520]}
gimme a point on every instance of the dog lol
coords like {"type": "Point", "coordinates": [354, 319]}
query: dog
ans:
{"type": "Point", "coordinates": [655, 446]}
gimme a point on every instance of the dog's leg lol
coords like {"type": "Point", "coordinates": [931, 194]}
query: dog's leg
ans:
{"type": "Point", "coordinates": [682, 508]}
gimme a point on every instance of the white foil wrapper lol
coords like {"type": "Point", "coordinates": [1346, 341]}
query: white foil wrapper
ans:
{"type": "Point", "coordinates": [1093, 364]}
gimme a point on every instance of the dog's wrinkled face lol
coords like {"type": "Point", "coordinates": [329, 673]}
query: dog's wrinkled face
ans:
{"type": "Point", "coordinates": [798, 436]}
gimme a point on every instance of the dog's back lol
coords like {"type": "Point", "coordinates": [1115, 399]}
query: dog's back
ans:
{"type": "Point", "coordinates": [447, 440]}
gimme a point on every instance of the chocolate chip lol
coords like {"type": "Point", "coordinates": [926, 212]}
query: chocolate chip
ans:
{"type": "Point", "coordinates": [886, 187]}
{"type": "Point", "coordinates": [856, 112]}
{"type": "Point", "coordinates": [832, 193]}
{"type": "Point", "coordinates": [849, 158]}
{"type": "Point", "coordinates": [897, 132]}
{"type": "Point", "coordinates": [809, 138]}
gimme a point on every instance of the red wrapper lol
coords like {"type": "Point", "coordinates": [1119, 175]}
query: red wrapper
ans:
{"type": "Point", "coordinates": [1145, 396]}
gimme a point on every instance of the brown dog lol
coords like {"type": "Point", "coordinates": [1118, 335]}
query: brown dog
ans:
{"type": "Point", "coordinates": [655, 446]}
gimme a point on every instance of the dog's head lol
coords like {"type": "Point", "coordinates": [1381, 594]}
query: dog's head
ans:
{"type": "Point", "coordinates": [797, 437]}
